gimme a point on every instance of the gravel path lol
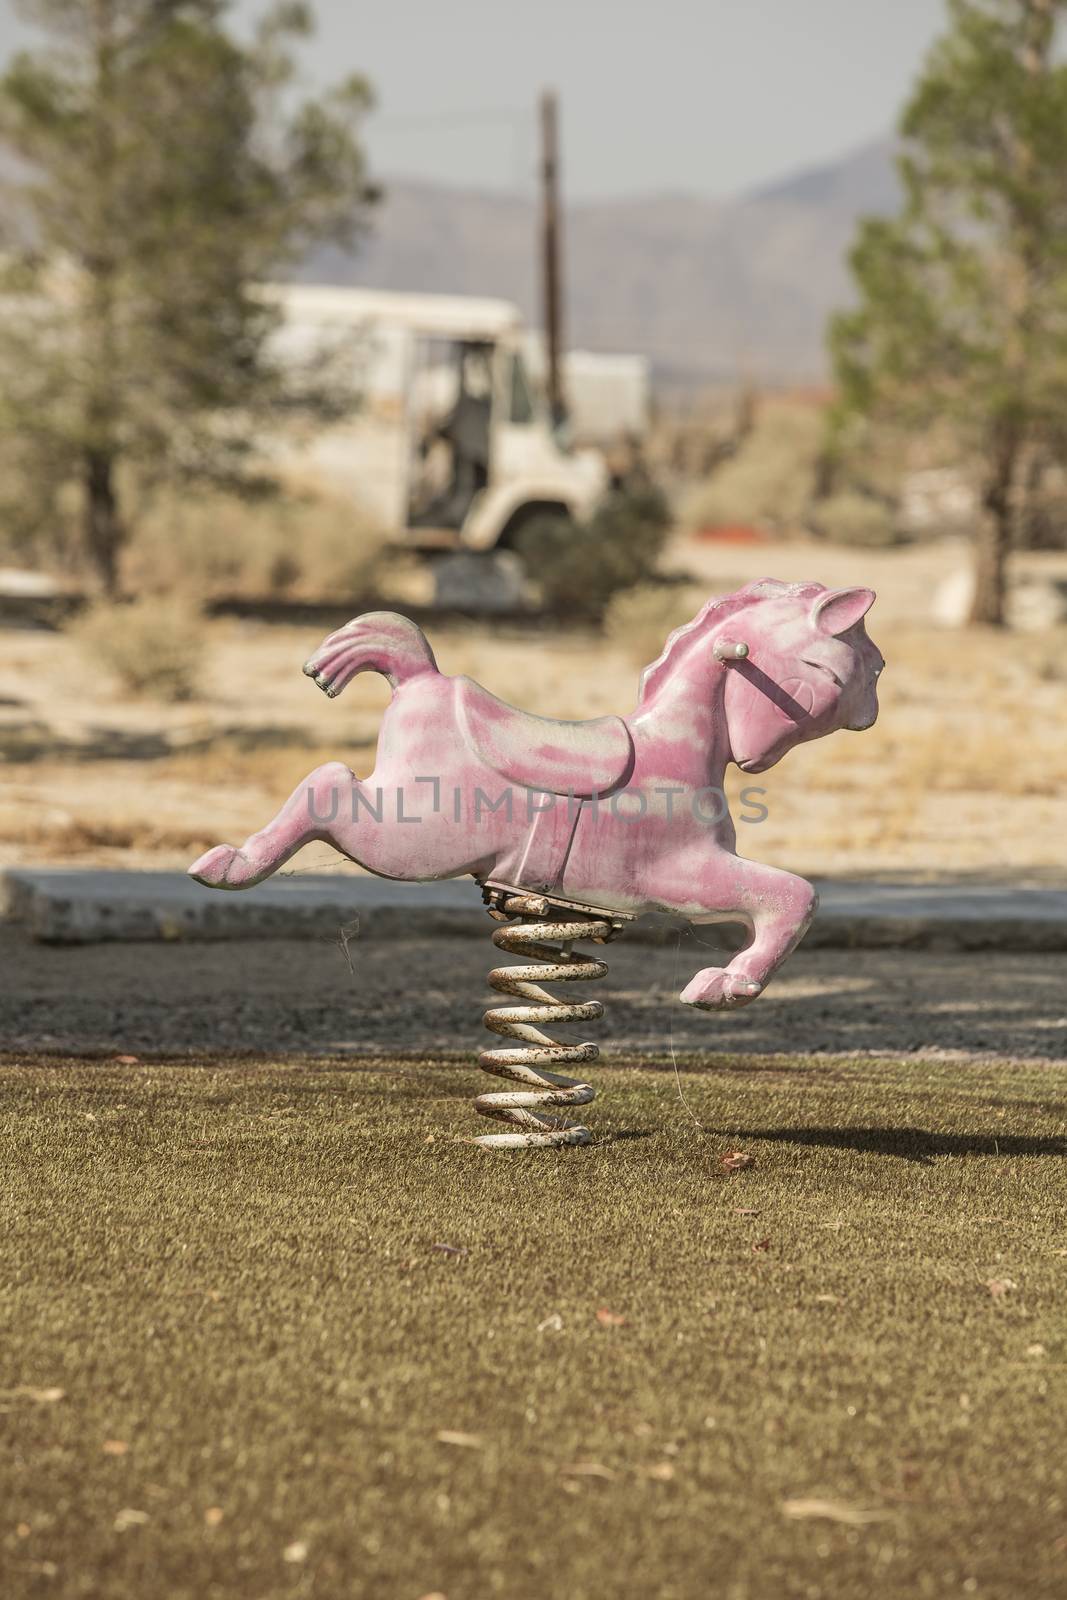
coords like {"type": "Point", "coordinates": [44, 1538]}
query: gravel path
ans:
{"type": "Point", "coordinates": [411, 995]}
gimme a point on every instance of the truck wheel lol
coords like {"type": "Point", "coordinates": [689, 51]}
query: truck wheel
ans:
{"type": "Point", "coordinates": [536, 514]}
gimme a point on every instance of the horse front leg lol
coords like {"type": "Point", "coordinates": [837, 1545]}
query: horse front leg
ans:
{"type": "Point", "coordinates": [778, 907]}
{"type": "Point", "coordinates": [320, 798]}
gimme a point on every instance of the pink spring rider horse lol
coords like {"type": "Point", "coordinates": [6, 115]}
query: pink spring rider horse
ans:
{"type": "Point", "coordinates": [593, 822]}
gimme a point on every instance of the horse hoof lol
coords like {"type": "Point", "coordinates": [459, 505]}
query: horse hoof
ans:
{"type": "Point", "coordinates": [715, 989]}
{"type": "Point", "coordinates": [211, 868]}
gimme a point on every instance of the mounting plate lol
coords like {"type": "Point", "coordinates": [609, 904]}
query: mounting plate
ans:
{"type": "Point", "coordinates": [535, 903]}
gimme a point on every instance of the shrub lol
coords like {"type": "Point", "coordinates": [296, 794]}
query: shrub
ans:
{"type": "Point", "coordinates": [155, 647]}
{"type": "Point", "coordinates": [579, 566]}
{"type": "Point", "coordinates": [208, 545]}
{"type": "Point", "coordinates": [770, 482]}
{"type": "Point", "coordinates": [853, 518]}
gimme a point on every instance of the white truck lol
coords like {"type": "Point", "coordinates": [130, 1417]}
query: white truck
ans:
{"type": "Point", "coordinates": [450, 444]}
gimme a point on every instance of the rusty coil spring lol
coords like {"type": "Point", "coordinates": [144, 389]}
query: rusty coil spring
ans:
{"type": "Point", "coordinates": [525, 1063]}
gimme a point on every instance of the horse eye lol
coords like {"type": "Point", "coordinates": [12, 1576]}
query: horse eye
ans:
{"type": "Point", "coordinates": [827, 672]}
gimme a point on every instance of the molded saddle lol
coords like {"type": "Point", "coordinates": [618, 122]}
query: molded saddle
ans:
{"type": "Point", "coordinates": [579, 758]}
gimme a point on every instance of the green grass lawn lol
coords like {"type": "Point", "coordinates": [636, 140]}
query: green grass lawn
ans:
{"type": "Point", "coordinates": [840, 1372]}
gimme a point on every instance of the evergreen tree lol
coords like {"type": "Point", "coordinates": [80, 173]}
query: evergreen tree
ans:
{"type": "Point", "coordinates": [163, 171]}
{"type": "Point", "coordinates": [963, 297]}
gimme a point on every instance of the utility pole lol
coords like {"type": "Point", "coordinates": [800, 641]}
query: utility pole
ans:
{"type": "Point", "coordinates": [551, 266]}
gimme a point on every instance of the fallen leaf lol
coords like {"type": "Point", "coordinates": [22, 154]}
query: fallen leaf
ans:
{"type": "Point", "coordinates": [555, 1322]}
{"type": "Point", "coordinates": [1036, 1351]}
{"type": "Point", "coordinates": [127, 1061]}
{"type": "Point", "coordinates": [587, 1469]}
{"type": "Point", "coordinates": [833, 1511]}
{"type": "Point", "coordinates": [1000, 1286]}
{"type": "Point", "coordinates": [429, 1139]}
{"type": "Point", "coordinates": [661, 1471]}
{"type": "Point", "coordinates": [450, 1249]}
{"type": "Point", "coordinates": [114, 1447]}
{"type": "Point", "coordinates": [297, 1551]}
{"type": "Point", "coordinates": [434, 1594]}
{"type": "Point", "coordinates": [42, 1397]}
{"type": "Point", "coordinates": [469, 1441]}
{"type": "Point", "coordinates": [746, 1211]}
{"type": "Point", "coordinates": [737, 1161]}
{"type": "Point", "coordinates": [23, 1530]}
{"type": "Point", "coordinates": [761, 1244]}
{"type": "Point", "coordinates": [129, 1518]}
{"type": "Point", "coordinates": [828, 1299]}
{"type": "Point", "coordinates": [609, 1319]}
{"type": "Point", "coordinates": [213, 1516]}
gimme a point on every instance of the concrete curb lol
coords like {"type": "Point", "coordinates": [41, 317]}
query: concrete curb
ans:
{"type": "Point", "coordinates": [67, 906]}
{"type": "Point", "coordinates": [73, 906]}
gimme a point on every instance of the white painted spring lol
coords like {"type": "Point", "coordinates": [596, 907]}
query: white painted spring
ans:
{"type": "Point", "coordinates": [547, 945]}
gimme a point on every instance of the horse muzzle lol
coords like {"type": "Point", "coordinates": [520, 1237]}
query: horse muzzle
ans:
{"type": "Point", "coordinates": [864, 720]}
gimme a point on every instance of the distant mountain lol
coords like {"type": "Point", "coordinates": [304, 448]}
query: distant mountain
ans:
{"type": "Point", "coordinates": [705, 288]}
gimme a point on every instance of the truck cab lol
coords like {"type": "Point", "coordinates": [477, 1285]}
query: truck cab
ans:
{"type": "Point", "coordinates": [449, 443]}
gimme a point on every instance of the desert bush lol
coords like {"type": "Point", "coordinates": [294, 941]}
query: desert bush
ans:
{"type": "Point", "coordinates": [637, 621]}
{"type": "Point", "coordinates": [38, 522]}
{"type": "Point", "coordinates": [296, 544]}
{"type": "Point", "coordinates": [580, 566]}
{"type": "Point", "coordinates": [771, 480]}
{"type": "Point", "coordinates": [853, 518]}
{"type": "Point", "coordinates": [154, 646]}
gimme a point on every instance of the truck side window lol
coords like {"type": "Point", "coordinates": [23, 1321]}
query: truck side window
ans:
{"type": "Point", "coordinates": [521, 405]}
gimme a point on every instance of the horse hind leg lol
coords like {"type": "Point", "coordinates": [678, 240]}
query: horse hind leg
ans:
{"type": "Point", "coordinates": [320, 799]}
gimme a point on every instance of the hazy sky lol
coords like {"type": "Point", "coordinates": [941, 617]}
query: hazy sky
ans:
{"type": "Point", "coordinates": [710, 96]}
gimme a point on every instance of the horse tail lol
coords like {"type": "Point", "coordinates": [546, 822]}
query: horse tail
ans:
{"type": "Point", "coordinates": [379, 641]}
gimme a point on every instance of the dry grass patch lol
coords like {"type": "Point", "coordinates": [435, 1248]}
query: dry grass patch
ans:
{"type": "Point", "coordinates": [637, 623]}
{"type": "Point", "coordinates": [299, 545]}
{"type": "Point", "coordinates": [154, 646]}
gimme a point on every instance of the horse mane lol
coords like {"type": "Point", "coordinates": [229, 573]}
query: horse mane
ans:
{"type": "Point", "coordinates": [708, 617]}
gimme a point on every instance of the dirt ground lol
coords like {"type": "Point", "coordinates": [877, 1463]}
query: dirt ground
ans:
{"type": "Point", "coordinates": [280, 998]}
{"type": "Point", "coordinates": [966, 770]}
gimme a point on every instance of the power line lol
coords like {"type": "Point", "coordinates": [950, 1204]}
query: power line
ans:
{"type": "Point", "coordinates": [454, 118]}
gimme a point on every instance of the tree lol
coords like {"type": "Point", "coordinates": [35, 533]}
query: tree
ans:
{"type": "Point", "coordinates": [962, 308]}
{"type": "Point", "coordinates": [164, 172]}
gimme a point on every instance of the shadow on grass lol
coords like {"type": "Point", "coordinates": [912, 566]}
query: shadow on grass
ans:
{"type": "Point", "coordinates": [910, 1144]}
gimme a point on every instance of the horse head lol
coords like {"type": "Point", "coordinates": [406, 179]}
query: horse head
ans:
{"type": "Point", "coordinates": [798, 665]}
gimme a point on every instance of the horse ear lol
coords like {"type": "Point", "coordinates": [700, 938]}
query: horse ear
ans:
{"type": "Point", "coordinates": [840, 609]}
